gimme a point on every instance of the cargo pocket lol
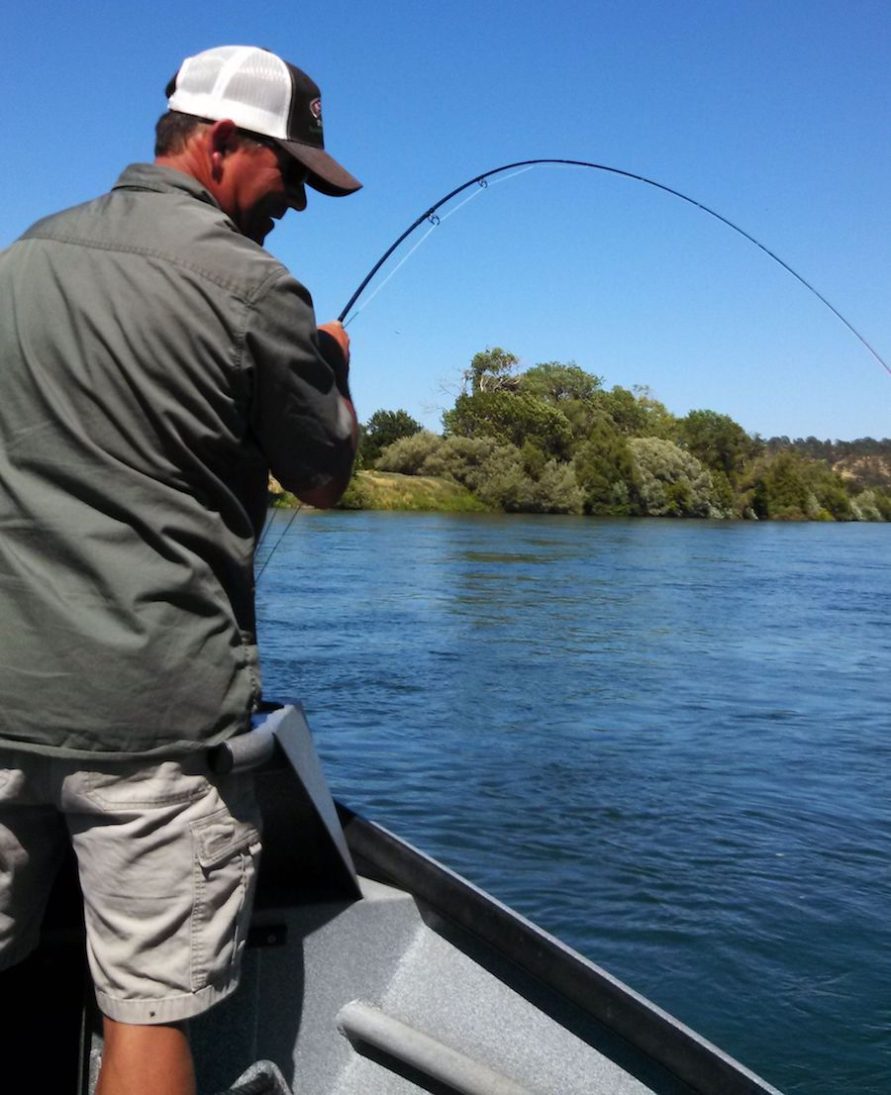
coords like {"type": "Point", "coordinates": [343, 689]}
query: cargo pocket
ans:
{"type": "Point", "coordinates": [226, 854]}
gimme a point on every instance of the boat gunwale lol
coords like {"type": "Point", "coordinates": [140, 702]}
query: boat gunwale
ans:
{"type": "Point", "coordinates": [643, 1025]}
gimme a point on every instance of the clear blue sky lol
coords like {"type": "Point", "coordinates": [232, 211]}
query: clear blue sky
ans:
{"type": "Point", "coordinates": [773, 112]}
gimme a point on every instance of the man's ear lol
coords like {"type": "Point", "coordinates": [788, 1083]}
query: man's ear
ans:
{"type": "Point", "coordinates": [222, 132]}
{"type": "Point", "coordinates": [221, 138]}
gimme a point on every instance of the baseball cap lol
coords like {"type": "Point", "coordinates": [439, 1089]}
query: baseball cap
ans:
{"type": "Point", "coordinates": [264, 94]}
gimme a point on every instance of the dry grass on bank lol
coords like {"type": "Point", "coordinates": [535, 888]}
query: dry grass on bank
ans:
{"type": "Point", "coordinates": [388, 490]}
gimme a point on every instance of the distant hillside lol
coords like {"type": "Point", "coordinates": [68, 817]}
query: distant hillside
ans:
{"type": "Point", "coordinates": [864, 463]}
{"type": "Point", "coordinates": [865, 471]}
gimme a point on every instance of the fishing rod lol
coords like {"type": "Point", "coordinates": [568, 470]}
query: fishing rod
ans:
{"type": "Point", "coordinates": [482, 180]}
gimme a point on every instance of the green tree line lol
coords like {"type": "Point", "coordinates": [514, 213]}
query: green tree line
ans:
{"type": "Point", "coordinates": [553, 439]}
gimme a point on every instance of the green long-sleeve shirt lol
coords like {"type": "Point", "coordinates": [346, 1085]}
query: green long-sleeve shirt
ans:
{"type": "Point", "coordinates": [154, 366]}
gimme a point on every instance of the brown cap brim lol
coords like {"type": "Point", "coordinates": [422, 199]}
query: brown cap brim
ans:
{"type": "Point", "coordinates": [325, 173]}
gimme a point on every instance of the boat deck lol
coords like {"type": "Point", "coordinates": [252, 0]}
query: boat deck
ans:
{"type": "Point", "coordinates": [387, 1005]}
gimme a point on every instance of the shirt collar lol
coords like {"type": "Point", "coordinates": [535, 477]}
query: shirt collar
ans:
{"type": "Point", "coordinates": [151, 176]}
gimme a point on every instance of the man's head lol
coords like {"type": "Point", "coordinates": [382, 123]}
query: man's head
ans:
{"type": "Point", "coordinates": [249, 126]}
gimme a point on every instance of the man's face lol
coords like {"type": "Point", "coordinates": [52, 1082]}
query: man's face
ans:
{"type": "Point", "coordinates": [261, 183]}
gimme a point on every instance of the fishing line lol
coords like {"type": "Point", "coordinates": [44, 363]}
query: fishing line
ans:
{"type": "Point", "coordinates": [482, 179]}
{"type": "Point", "coordinates": [279, 538]}
{"type": "Point", "coordinates": [435, 221]}
{"type": "Point", "coordinates": [433, 226]}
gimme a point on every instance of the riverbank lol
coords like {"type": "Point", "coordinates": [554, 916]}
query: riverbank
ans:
{"type": "Point", "coordinates": [395, 491]}
{"type": "Point", "coordinates": [385, 490]}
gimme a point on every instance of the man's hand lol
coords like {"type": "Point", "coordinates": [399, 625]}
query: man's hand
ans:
{"type": "Point", "coordinates": [336, 331]}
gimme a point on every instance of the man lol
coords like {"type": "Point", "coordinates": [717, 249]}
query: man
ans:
{"type": "Point", "coordinates": [156, 364]}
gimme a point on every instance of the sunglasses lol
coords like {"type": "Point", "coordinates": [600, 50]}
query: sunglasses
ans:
{"type": "Point", "coordinates": [294, 174]}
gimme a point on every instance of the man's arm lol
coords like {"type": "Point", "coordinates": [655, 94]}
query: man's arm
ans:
{"type": "Point", "coordinates": [301, 411]}
{"type": "Point", "coordinates": [334, 344]}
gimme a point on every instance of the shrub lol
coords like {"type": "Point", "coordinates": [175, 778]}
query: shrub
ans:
{"type": "Point", "coordinates": [409, 454]}
{"type": "Point", "coordinates": [672, 482]}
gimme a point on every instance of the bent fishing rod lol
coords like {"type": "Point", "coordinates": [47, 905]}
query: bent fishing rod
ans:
{"type": "Point", "coordinates": [430, 215]}
{"type": "Point", "coordinates": [481, 180]}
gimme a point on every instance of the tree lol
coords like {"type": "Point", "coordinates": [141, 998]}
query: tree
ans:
{"type": "Point", "coordinates": [557, 382]}
{"type": "Point", "coordinates": [780, 490]}
{"type": "Point", "coordinates": [569, 389]}
{"type": "Point", "coordinates": [637, 414]}
{"type": "Point", "coordinates": [658, 419]}
{"type": "Point", "coordinates": [717, 441]}
{"type": "Point", "coordinates": [605, 472]}
{"type": "Point", "coordinates": [490, 370]}
{"type": "Point", "coordinates": [381, 430]}
{"type": "Point", "coordinates": [511, 417]}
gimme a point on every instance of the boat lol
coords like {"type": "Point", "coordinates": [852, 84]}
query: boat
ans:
{"type": "Point", "coordinates": [372, 969]}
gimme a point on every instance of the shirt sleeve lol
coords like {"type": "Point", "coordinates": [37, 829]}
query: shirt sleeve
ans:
{"type": "Point", "coordinates": [299, 419]}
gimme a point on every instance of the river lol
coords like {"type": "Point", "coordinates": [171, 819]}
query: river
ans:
{"type": "Point", "coordinates": [666, 742]}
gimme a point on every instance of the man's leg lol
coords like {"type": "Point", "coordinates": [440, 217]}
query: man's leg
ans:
{"type": "Point", "coordinates": [167, 857]}
{"type": "Point", "coordinates": [146, 1060]}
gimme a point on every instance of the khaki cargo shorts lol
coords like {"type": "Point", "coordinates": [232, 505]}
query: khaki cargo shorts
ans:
{"type": "Point", "coordinates": [167, 854]}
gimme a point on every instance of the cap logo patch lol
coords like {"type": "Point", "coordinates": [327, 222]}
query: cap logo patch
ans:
{"type": "Point", "coordinates": [315, 108]}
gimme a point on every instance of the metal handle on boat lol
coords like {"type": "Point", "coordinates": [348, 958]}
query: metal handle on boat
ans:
{"type": "Point", "coordinates": [450, 1067]}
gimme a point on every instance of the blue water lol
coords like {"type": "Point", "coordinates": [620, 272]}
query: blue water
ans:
{"type": "Point", "coordinates": [665, 742]}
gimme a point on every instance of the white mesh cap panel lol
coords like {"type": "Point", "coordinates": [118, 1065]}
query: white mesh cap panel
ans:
{"type": "Point", "coordinates": [246, 84]}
